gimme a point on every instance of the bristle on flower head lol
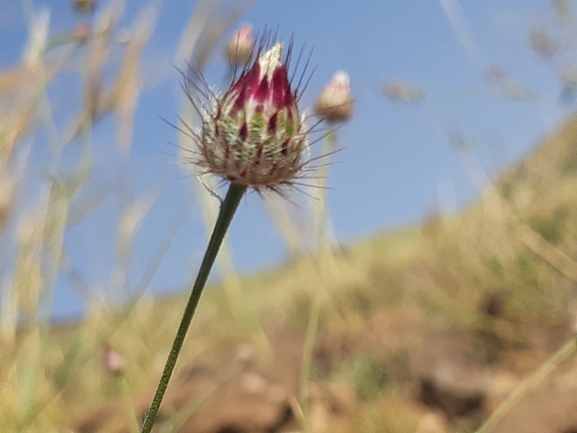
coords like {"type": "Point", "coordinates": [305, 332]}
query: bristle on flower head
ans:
{"type": "Point", "coordinates": [253, 134]}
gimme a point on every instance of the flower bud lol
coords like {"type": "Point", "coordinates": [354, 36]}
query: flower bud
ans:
{"type": "Point", "coordinates": [335, 102]}
{"type": "Point", "coordinates": [112, 361]}
{"type": "Point", "coordinates": [253, 135]}
{"type": "Point", "coordinates": [84, 5]}
{"type": "Point", "coordinates": [82, 33]}
{"type": "Point", "coordinates": [240, 46]}
{"type": "Point", "coordinates": [542, 43]}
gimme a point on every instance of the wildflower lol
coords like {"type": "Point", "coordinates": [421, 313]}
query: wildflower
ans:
{"type": "Point", "coordinates": [253, 135]}
{"type": "Point", "coordinates": [335, 102]}
{"type": "Point", "coordinates": [240, 46]}
{"type": "Point", "coordinates": [112, 361]}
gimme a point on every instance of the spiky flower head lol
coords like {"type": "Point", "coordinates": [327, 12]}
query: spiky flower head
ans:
{"type": "Point", "coordinates": [240, 46]}
{"type": "Point", "coordinates": [335, 102]}
{"type": "Point", "coordinates": [253, 135]}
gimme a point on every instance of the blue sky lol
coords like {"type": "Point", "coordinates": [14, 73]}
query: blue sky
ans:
{"type": "Point", "coordinates": [398, 165]}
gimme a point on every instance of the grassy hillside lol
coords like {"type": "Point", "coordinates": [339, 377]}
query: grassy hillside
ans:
{"type": "Point", "coordinates": [502, 273]}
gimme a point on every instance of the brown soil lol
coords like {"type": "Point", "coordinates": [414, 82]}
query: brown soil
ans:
{"type": "Point", "coordinates": [442, 381]}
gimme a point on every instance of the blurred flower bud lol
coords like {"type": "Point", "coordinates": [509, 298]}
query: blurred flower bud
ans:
{"type": "Point", "coordinates": [253, 135]}
{"type": "Point", "coordinates": [335, 102]}
{"type": "Point", "coordinates": [112, 361]}
{"type": "Point", "coordinates": [542, 43]}
{"type": "Point", "coordinates": [240, 46]}
{"type": "Point", "coordinates": [82, 33]}
{"type": "Point", "coordinates": [84, 5]}
{"type": "Point", "coordinates": [401, 91]}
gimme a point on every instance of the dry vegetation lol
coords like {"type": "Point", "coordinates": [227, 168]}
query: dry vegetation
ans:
{"type": "Point", "coordinates": [497, 282]}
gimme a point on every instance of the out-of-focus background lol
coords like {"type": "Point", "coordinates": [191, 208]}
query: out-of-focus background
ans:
{"type": "Point", "coordinates": [433, 83]}
{"type": "Point", "coordinates": [439, 278]}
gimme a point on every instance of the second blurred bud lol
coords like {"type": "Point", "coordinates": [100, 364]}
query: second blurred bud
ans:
{"type": "Point", "coordinates": [239, 47]}
{"type": "Point", "coordinates": [335, 103]}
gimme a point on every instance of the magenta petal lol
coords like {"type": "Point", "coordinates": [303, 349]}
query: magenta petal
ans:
{"type": "Point", "coordinates": [248, 81]}
{"type": "Point", "coordinates": [282, 95]}
{"type": "Point", "coordinates": [262, 92]}
{"type": "Point", "coordinates": [240, 101]}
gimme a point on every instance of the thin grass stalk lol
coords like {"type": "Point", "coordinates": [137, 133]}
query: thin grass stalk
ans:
{"type": "Point", "coordinates": [130, 412]}
{"type": "Point", "coordinates": [529, 384]}
{"type": "Point", "coordinates": [323, 223]}
{"type": "Point", "coordinates": [306, 370]}
{"type": "Point", "coordinates": [226, 213]}
{"type": "Point", "coordinates": [241, 312]}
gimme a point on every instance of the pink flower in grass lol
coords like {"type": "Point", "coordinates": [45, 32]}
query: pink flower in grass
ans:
{"type": "Point", "coordinates": [112, 360]}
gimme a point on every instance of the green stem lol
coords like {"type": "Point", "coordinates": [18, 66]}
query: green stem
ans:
{"type": "Point", "coordinates": [227, 210]}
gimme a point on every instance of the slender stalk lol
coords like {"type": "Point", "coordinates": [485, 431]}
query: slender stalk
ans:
{"type": "Point", "coordinates": [227, 210]}
{"type": "Point", "coordinates": [323, 221]}
{"type": "Point", "coordinates": [312, 329]}
{"type": "Point", "coordinates": [130, 412]}
{"type": "Point", "coordinates": [529, 384]}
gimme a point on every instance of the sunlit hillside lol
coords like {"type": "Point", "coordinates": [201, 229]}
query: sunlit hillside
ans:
{"type": "Point", "coordinates": [435, 324]}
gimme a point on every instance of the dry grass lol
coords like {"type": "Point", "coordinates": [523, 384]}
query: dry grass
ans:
{"type": "Point", "coordinates": [515, 247]}
{"type": "Point", "coordinates": [45, 373]}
